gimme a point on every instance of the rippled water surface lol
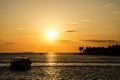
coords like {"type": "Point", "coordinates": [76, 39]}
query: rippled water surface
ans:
{"type": "Point", "coordinates": [63, 67]}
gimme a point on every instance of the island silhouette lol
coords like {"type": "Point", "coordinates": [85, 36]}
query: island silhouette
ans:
{"type": "Point", "coordinates": [110, 50]}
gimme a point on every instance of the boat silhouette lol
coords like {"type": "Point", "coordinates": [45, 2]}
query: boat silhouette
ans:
{"type": "Point", "coordinates": [20, 64]}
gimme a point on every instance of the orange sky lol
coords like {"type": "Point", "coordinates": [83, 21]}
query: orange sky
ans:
{"type": "Point", "coordinates": [25, 24]}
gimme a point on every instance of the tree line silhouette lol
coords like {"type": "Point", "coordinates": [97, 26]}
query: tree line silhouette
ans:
{"type": "Point", "coordinates": [110, 50]}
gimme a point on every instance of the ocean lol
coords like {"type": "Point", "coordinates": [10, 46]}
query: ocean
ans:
{"type": "Point", "coordinates": [62, 67]}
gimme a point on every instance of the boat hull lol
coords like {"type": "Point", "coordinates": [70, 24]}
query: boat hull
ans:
{"type": "Point", "coordinates": [22, 64]}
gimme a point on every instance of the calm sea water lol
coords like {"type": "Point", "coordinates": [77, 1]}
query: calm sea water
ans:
{"type": "Point", "coordinates": [63, 67]}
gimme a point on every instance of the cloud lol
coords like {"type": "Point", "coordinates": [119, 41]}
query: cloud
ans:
{"type": "Point", "coordinates": [74, 23]}
{"type": "Point", "coordinates": [64, 41]}
{"type": "Point", "coordinates": [93, 40]}
{"type": "Point", "coordinates": [116, 12]}
{"type": "Point", "coordinates": [69, 31]}
{"type": "Point", "coordinates": [84, 21]}
{"type": "Point", "coordinates": [108, 5]}
{"type": "Point", "coordinates": [8, 43]}
{"type": "Point", "coordinates": [79, 22]}
{"type": "Point", "coordinates": [20, 29]}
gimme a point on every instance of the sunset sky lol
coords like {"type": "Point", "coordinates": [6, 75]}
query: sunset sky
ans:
{"type": "Point", "coordinates": [58, 25]}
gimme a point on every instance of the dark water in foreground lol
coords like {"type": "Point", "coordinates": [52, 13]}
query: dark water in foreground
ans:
{"type": "Point", "coordinates": [63, 67]}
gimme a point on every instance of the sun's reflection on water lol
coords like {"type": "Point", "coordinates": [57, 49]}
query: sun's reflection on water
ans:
{"type": "Point", "coordinates": [51, 59]}
{"type": "Point", "coordinates": [52, 72]}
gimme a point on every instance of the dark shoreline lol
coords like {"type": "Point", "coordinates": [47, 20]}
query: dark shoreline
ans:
{"type": "Point", "coordinates": [20, 53]}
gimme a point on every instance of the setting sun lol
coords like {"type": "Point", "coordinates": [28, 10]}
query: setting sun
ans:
{"type": "Point", "coordinates": [51, 34]}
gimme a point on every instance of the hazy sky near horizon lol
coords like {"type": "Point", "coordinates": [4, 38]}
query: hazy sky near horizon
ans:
{"type": "Point", "coordinates": [24, 24]}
